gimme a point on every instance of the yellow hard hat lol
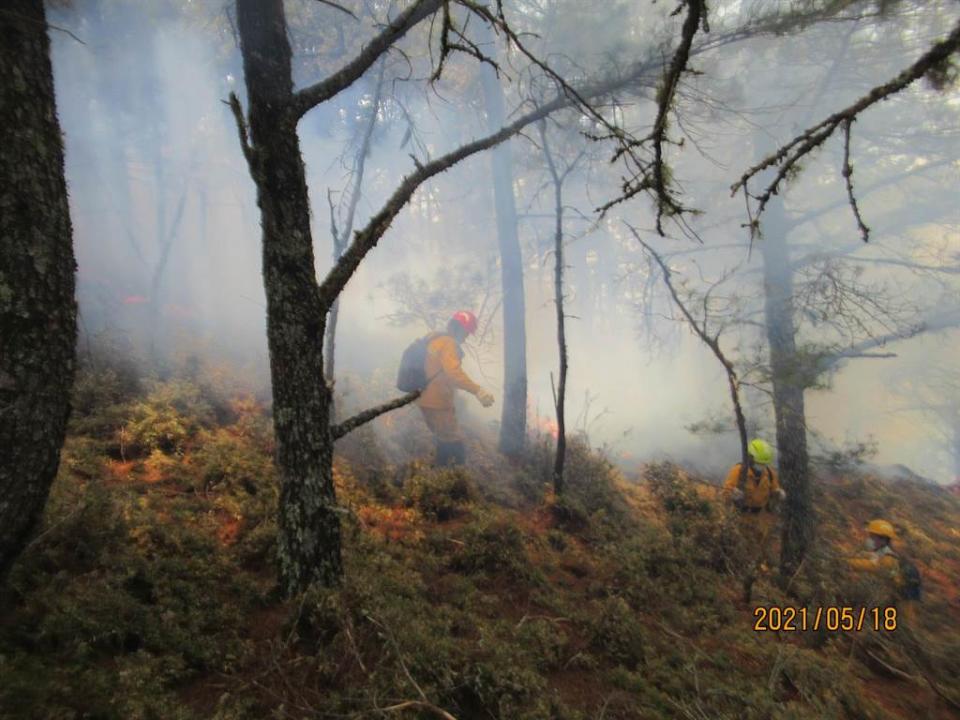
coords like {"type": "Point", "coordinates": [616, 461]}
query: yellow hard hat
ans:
{"type": "Point", "coordinates": [881, 528]}
{"type": "Point", "coordinates": [760, 451]}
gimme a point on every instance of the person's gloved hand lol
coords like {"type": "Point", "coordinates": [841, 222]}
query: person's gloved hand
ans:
{"type": "Point", "coordinates": [737, 495]}
{"type": "Point", "coordinates": [781, 493]}
{"type": "Point", "coordinates": [485, 398]}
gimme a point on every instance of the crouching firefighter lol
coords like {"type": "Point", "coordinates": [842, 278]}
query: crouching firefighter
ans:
{"type": "Point", "coordinates": [890, 583]}
{"type": "Point", "coordinates": [897, 578]}
{"type": "Point", "coordinates": [432, 364]}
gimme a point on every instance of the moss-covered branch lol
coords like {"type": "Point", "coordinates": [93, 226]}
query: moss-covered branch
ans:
{"type": "Point", "coordinates": [362, 418]}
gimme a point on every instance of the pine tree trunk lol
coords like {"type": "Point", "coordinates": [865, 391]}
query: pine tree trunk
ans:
{"type": "Point", "coordinates": [513, 421]}
{"type": "Point", "coordinates": [789, 383]}
{"type": "Point", "coordinates": [955, 445]}
{"type": "Point", "coordinates": [38, 314]}
{"type": "Point", "coordinates": [309, 539]}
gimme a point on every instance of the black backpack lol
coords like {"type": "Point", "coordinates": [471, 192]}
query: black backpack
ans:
{"type": "Point", "coordinates": [412, 375]}
{"type": "Point", "coordinates": [911, 584]}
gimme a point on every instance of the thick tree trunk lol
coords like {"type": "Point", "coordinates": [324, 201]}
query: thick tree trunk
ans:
{"type": "Point", "coordinates": [38, 314]}
{"type": "Point", "coordinates": [513, 419]}
{"type": "Point", "coordinates": [309, 539]}
{"type": "Point", "coordinates": [789, 382]}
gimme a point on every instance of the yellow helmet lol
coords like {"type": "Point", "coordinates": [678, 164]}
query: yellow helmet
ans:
{"type": "Point", "coordinates": [760, 451]}
{"type": "Point", "coordinates": [881, 528]}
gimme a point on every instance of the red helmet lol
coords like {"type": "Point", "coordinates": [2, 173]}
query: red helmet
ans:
{"type": "Point", "coordinates": [467, 320]}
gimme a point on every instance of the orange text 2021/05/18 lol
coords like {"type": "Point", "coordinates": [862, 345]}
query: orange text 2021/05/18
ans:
{"type": "Point", "coordinates": [833, 619]}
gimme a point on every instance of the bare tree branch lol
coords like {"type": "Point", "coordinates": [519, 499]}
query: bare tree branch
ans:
{"type": "Point", "coordinates": [847, 173]}
{"type": "Point", "coordinates": [945, 269]}
{"type": "Point", "coordinates": [666, 202]}
{"type": "Point", "coordinates": [337, 6]}
{"type": "Point", "coordinates": [419, 705]}
{"type": "Point", "coordinates": [311, 96]}
{"type": "Point", "coordinates": [921, 171]}
{"type": "Point", "coordinates": [362, 418]}
{"type": "Point", "coordinates": [367, 238]}
{"type": "Point", "coordinates": [341, 237]}
{"type": "Point", "coordinates": [711, 342]}
{"type": "Point", "coordinates": [786, 158]}
{"type": "Point", "coordinates": [944, 321]}
{"type": "Point", "coordinates": [242, 132]}
{"type": "Point", "coordinates": [461, 44]}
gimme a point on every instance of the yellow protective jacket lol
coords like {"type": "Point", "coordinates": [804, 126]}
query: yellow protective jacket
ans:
{"type": "Point", "coordinates": [444, 374]}
{"type": "Point", "coordinates": [756, 490]}
{"type": "Point", "coordinates": [882, 567]}
{"type": "Point", "coordinates": [883, 561]}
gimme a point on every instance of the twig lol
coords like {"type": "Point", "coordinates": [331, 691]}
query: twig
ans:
{"type": "Point", "coordinates": [341, 8]}
{"type": "Point", "coordinates": [248, 152]}
{"type": "Point", "coordinates": [711, 342]}
{"type": "Point", "coordinates": [403, 665]}
{"type": "Point", "coordinates": [418, 705]}
{"type": "Point", "coordinates": [353, 645]}
{"type": "Point", "coordinates": [541, 617]}
{"type": "Point", "coordinates": [49, 26]}
{"type": "Point", "coordinates": [696, 10]}
{"type": "Point", "coordinates": [847, 173]}
{"type": "Point", "coordinates": [69, 516]}
{"type": "Point", "coordinates": [903, 675]}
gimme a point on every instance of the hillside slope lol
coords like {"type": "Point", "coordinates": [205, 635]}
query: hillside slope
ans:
{"type": "Point", "coordinates": [149, 592]}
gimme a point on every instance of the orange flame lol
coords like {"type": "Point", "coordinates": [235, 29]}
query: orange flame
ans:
{"type": "Point", "coordinates": [547, 426]}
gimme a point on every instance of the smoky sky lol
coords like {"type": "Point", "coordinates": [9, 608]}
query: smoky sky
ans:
{"type": "Point", "coordinates": [167, 229]}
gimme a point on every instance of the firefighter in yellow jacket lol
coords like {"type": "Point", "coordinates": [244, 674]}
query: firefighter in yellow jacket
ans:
{"type": "Point", "coordinates": [444, 377]}
{"type": "Point", "coordinates": [880, 557]}
{"type": "Point", "coordinates": [754, 498]}
{"type": "Point", "coordinates": [894, 579]}
{"type": "Point", "coordinates": [761, 486]}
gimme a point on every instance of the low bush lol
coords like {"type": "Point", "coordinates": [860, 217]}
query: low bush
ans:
{"type": "Point", "coordinates": [441, 493]}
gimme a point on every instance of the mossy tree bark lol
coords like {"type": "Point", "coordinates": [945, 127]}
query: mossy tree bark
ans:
{"type": "Point", "coordinates": [309, 537]}
{"type": "Point", "coordinates": [38, 314]}
{"type": "Point", "coordinates": [297, 305]}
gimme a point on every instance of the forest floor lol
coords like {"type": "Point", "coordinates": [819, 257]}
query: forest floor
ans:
{"type": "Point", "coordinates": [150, 590]}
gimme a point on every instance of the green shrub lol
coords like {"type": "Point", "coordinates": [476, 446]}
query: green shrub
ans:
{"type": "Point", "coordinates": [441, 494]}
{"type": "Point", "coordinates": [544, 640]}
{"type": "Point", "coordinates": [590, 488]}
{"type": "Point", "coordinates": [494, 546]}
{"type": "Point", "coordinates": [616, 633]}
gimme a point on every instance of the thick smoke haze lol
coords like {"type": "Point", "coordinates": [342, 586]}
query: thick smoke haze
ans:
{"type": "Point", "coordinates": [168, 241]}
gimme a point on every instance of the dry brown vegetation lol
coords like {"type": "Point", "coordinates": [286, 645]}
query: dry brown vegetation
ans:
{"type": "Point", "coordinates": [150, 592]}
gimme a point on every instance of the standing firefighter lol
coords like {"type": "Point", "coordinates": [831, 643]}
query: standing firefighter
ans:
{"type": "Point", "coordinates": [760, 487]}
{"type": "Point", "coordinates": [754, 496]}
{"type": "Point", "coordinates": [432, 364]}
